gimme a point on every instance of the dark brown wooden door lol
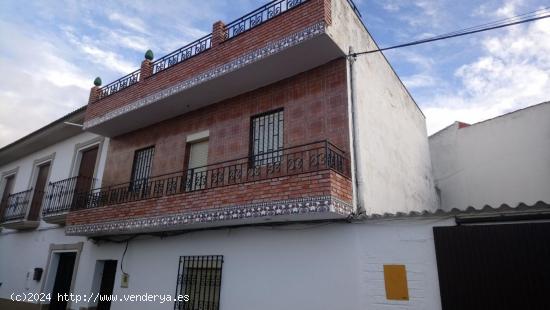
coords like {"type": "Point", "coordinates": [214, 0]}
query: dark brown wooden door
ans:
{"type": "Point", "coordinates": [39, 188]}
{"type": "Point", "coordinates": [7, 190]}
{"type": "Point", "coordinates": [504, 267]}
{"type": "Point", "coordinates": [85, 175]}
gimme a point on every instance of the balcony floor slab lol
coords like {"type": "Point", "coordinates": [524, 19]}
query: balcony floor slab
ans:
{"type": "Point", "coordinates": [292, 210]}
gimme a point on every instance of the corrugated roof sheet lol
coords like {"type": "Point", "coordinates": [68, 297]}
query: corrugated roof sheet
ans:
{"type": "Point", "coordinates": [522, 208]}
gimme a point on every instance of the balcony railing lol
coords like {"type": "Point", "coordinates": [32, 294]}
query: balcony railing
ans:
{"type": "Point", "coordinates": [259, 16]}
{"type": "Point", "coordinates": [61, 195]}
{"type": "Point", "coordinates": [233, 29]}
{"type": "Point", "coordinates": [15, 205]}
{"type": "Point", "coordinates": [285, 162]}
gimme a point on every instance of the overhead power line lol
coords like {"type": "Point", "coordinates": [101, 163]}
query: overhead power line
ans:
{"type": "Point", "coordinates": [507, 22]}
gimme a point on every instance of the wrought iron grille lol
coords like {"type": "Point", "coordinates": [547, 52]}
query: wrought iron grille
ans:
{"type": "Point", "coordinates": [259, 16]}
{"type": "Point", "coordinates": [266, 132]}
{"type": "Point", "coordinates": [192, 49]}
{"type": "Point", "coordinates": [300, 159]}
{"type": "Point", "coordinates": [119, 84]}
{"type": "Point", "coordinates": [15, 205]}
{"type": "Point", "coordinates": [199, 277]}
{"type": "Point", "coordinates": [61, 195]}
{"type": "Point", "coordinates": [142, 166]}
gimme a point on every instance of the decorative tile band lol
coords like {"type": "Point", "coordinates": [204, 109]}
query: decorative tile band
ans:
{"type": "Point", "coordinates": [268, 50]}
{"type": "Point", "coordinates": [180, 221]}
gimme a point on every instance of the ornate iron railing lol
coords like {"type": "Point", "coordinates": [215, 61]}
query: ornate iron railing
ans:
{"type": "Point", "coordinates": [15, 205]}
{"type": "Point", "coordinates": [61, 195]}
{"type": "Point", "coordinates": [259, 16]}
{"type": "Point", "coordinates": [120, 84]}
{"type": "Point", "coordinates": [182, 54]}
{"type": "Point", "coordinates": [284, 162]}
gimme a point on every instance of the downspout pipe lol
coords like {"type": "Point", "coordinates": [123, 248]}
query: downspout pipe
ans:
{"type": "Point", "coordinates": [354, 134]}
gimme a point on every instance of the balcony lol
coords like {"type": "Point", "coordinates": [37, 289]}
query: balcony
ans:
{"type": "Point", "coordinates": [274, 42]}
{"type": "Point", "coordinates": [305, 182]}
{"type": "Point", "coordinates": [16, 213]}
{"type": "Point", "coordinates": [62, 195]}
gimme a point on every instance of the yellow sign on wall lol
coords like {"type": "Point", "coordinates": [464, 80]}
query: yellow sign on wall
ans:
{"type": "Point", "coordinates": [395, 279]}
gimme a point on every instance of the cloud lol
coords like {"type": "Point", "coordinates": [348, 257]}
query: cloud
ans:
{"type": "Point", "coordinates": [513, 72]}
{"type": "Point", "coordinates": [419, 81]}
{"type": "Point", "coordinates": [37, 84]}
{"type": "Point", "coordinates": [416, 13]}
{"type": "Point", "coordinates": [509, 9]}
{"type": "Point", "coordinates": [98, 51]}
{"type": "Point", "coordinates": [132, 23]}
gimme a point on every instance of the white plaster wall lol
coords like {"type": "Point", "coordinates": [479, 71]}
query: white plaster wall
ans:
{"type": "Point", "coordinates": [317, 266]}
{"type": "Point", "coordinates": [505, 160]}
{"type": "Point", "coordinates": [21, 252]}
{"type": "Point", "coordinates": [393, 154]}
{"type": "Point", "coordinates": [408, 242]}
{"type": "Point", "coordinates": [284, 268]}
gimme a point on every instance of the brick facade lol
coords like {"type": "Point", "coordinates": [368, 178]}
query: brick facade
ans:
{"type": "Point", "coordinates": [315, 108]}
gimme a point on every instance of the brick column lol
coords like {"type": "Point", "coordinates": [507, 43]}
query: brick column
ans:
{"type": "Point", "coordinates": [218, 33]}
{"type": "Point", "coordinates": [94, 94]}
{"type": "Point", "coordinates": [146, 69]}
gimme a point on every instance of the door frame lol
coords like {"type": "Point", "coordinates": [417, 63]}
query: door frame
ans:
{"type": "Point", "coordinates": [54, 249]}
{"type": "Point", "coordinates": [5, 175]}
{"type": "Point", "coordinates": [49, 159]}
{"type": "Point", "coordinates": [83, 147]}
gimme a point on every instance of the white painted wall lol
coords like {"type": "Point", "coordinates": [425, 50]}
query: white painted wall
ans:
{"type": "Point", "coordinates": [21, 252]}
{"type": "Point", "coordinates": [408, 242]}
{"type": "Point", "coordinates": [317, 266]}
{"type": "Point", "coordinates": [393, 154]}
{"type": "Point", "coordinates": [505, 160]}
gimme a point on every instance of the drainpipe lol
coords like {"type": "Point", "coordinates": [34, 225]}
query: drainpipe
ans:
{"type": "Point", "coordinates": [354, 134]}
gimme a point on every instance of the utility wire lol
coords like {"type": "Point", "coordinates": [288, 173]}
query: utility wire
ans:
{"type": "Point", "coordinates": [531, 14]}
{"type": "Point", "coordinates": [481, 28]}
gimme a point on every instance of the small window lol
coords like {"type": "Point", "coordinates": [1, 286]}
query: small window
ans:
{"type": "Point", "coordinates": [266, 132]}
{"type": "Point", "coordinates": [141, 169]}
{"type": "Point", "coordinates": [199, 277]}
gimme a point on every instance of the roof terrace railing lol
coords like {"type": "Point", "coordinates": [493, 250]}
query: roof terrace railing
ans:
{"type": "Point", "coordinates": [259, 16]}
{"type": "Point", "coordinates": [120, 84]}
{"type": "Point", "coordinates": [233, 29]}
{"type": "Point", "coordinates": [182, 54]}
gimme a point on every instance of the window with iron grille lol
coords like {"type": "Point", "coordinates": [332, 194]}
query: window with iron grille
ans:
{"type": "Point", "coordinates": [199, 277]}
{"type": "Point", "coordinates": [141, 169]}
{"type": "Point", "coordinates": [266, 132]}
